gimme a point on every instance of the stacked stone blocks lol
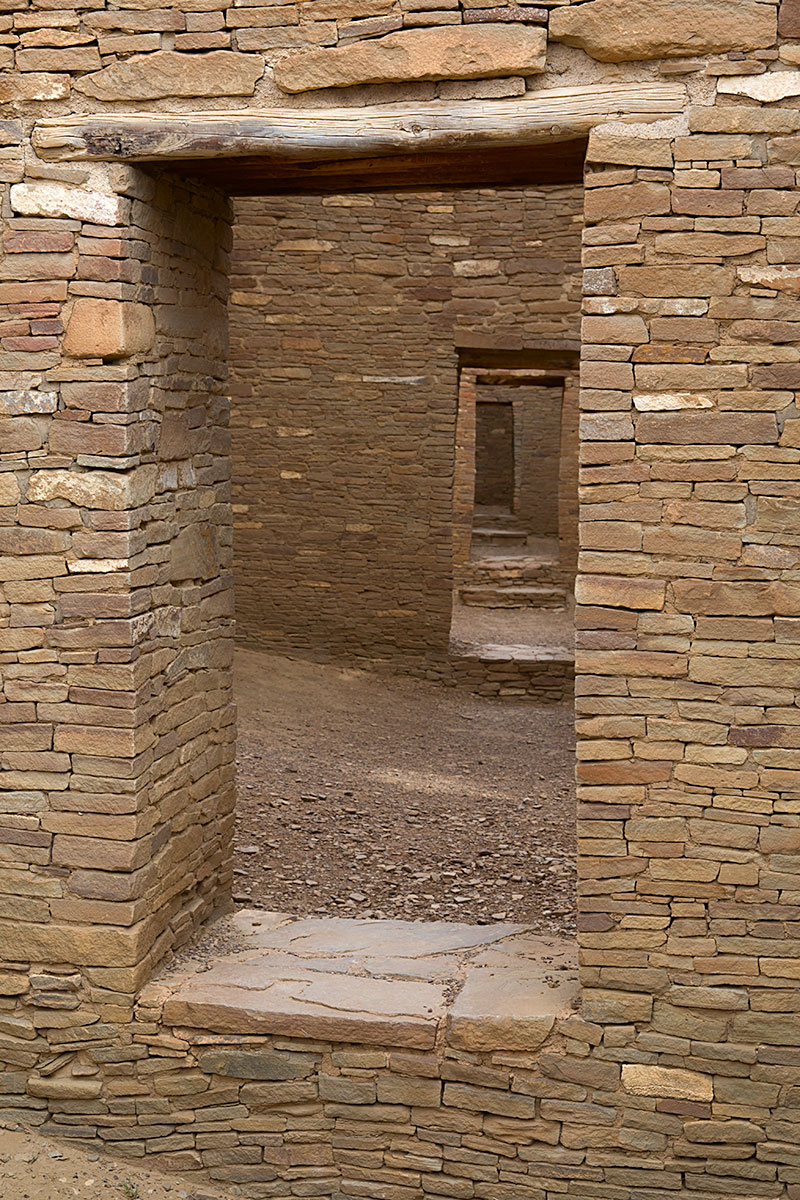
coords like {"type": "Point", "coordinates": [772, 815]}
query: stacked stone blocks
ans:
{"type": "Point", "coordinates": [681, 1075]}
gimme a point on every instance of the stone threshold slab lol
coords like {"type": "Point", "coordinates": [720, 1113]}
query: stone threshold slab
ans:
{"type": "Point", "coordinates": [416, 985]}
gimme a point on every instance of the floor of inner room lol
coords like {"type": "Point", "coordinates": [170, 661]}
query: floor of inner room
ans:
{"type": "Point", "coordinates": [368, 796]}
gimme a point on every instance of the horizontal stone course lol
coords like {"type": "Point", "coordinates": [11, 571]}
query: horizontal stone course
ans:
{"type": "Point", "coordinates": [679, 1076]}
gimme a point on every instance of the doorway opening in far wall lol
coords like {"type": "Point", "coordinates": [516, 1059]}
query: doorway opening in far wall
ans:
{"type": "Point", "coordinates": [516, 522]}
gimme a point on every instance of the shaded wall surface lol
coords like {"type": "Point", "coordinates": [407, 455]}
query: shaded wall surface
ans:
{"type": "Point", "coordinates": [494, 455]}
{"type": "Point", "coordinates": [346, 311]}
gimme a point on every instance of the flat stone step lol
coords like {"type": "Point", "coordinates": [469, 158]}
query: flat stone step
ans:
{"type": "Point", "coordinates": [525, 566]}
{"type": "Point", "coordinates": [496, 596]}
{"type": "Point", "coordinates": [417, 985]}
{"type": "Point", "coordinates": [495, 652]}
{"type": "Point", "coordinates": [508, 537]}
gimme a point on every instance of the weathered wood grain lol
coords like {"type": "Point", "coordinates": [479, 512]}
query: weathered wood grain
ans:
{"type": "Point", "coordinates": [335, 133]}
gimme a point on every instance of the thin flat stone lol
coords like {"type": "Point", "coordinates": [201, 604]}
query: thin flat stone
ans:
{"type": "Point", "coordinates": [320, 936]}
{"type": "Point", "coordinates": [343, 1008]}
{"type": "Point", "coordinates": [510, 1008]}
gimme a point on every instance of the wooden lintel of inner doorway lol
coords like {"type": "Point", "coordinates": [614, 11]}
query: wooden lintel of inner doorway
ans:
{"type": "Point", "coordinates": [397, 145]}
{"type": "Point", "coordinates": [560, 163]}
{"type": "Point", "coordinates": [547, 358]}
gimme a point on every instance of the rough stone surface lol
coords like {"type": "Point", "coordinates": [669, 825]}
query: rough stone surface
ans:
{"type": "Point", "coordinates": [481, 52]}
{"type": "Point", "coordinates": [59, 200]}
{"type": "Point", "coordinates": [365, 570]}
{"type": "Point", "coordinates": [667, 1082]}
{"type": "Point", "coordinates": [108, 329]}
{"type": "Point", "coordinates": [298, 982]}
{"type": "Point", "coordinates": [626, 30]}
{"type": "Point", "coordinates": [679, 1074]}
{"type": "Point", "coordinates": [169, 73]}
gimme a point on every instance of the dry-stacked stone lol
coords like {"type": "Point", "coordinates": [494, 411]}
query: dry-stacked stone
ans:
{"type": "Point", "coordinates": [681, 1075]}
{"type": "Point", "coordinates": [344, 421]}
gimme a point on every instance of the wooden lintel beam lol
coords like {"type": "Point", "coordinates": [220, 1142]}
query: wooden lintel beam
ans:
{"type": "Point", "coordinates": [339, 133]}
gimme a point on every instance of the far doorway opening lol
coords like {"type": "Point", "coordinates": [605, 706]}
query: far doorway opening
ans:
{"type": "Point", "coordinates": [516, 523]}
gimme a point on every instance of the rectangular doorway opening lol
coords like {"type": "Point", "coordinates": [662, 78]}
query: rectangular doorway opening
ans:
{"type": "Point", "coordinates": [380, 778]}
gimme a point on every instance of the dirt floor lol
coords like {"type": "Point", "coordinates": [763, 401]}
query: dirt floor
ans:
{"type": "Point", "coordinates": [368, 796]}
{"type": "Point", "coordinates": [35, 1168]}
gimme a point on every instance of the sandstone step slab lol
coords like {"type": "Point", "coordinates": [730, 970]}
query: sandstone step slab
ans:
{"type": "Point", "coordinates": [512, 1003]}
{"type": "Point", "coordinates": [507, 537]}
{"type": "Point", "coordinates": [260, 999]}
{"type": "Point", "coordinates": [496, 652]}
{"type": "Point", "coordinates": [494, 596]}
{"type": "Point", "coordinates": [388, 983]}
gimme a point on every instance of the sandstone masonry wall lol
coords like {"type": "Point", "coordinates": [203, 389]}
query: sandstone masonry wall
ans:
{"type": "Point", "coordinates": [681, 1075]}
{"type": "Point", "coordinates": [344, 323]}
{"type": "Point", "coordinates": [494, 454]}
{"type": "Point", "coordinates": [117, 734]}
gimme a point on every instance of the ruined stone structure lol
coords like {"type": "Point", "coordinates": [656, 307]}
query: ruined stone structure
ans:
{"type": "Point", "coordinates": [680, 1076]}
{"type": "Point", "coordinates": [349, 314]}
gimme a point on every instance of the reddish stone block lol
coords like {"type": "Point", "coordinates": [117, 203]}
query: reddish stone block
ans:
{"type": "Point", "coordinates": [789, 18]}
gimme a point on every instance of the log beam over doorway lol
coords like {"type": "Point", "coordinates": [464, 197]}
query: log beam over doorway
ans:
{"type": "Point", "coordinates": [325, 134]}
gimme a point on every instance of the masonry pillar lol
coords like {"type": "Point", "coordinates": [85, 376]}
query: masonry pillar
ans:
{"type": "Point", "coordinates": [116, 722]}
{"type": "Point", "coordinates": [688, 602]}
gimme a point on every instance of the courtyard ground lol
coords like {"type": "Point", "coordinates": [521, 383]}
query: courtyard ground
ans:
{"type": "Point", "coordinates": [373, 796]}
{"type": "Point", "coordinates": [36, 1168]}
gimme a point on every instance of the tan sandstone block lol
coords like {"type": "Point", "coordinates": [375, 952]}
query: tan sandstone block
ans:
{"type": "Point", "coordinates": [45, 199]}
{"type": "Point", "coordinates": [616, 1007]}
{"type": "Point", "coordinates": [90, 945]}
{"type": "Point", "coordinates": [676, 281]}
{"type": "Point", "coordinates": [778, 515]}
{"type": "Point", "coordinates": [628, 30]}
{"type": "Point", "coordinates": [666, 1083]}
{"type": "Point", "coordinates": [108, 329]}
{"type": "Point", "coordinates": [95, 489]}
{"type": "Point", "coordinates": [639, 663]}
{"type": "Point", "coordinates": [37, 85]}
{"type": "Point", "coordinates": [168, 73]}
{"type": "Point", "coordinates": [617, 591]}
{"type": "Point", "coordinates": [455, 52]}
{"type": "Point", "coordinates": [194, 553]}
{"type": "Point", "coordinates": [691, 428]}
{"type": "Point", "coordinates": [709, 245]}
{"type": "Point", "coordinates": [628, 151]}
{"type": "Point", "coordinates": [64, 1088]}
{"type": "Point", "coordinates": [20, 433]}
{"type": "Point", "coordinates": [9, 489]}
{"type": "Point", "coordinates": [752, 599]}
{"type": "Point", "coordinates": [629, 200]}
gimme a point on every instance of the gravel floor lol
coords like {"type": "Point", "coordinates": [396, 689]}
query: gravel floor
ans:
{"type": "Point", "coordinates": [367, 796]}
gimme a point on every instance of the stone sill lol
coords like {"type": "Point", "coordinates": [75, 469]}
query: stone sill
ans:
{"type": "Point", "coordinates": [390, 983]}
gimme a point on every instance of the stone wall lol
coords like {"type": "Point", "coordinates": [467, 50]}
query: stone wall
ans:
{"type": "Point", "coordinates": [541, 478]}
{"type": "Point", "coordinates": [494, 454]}
{"type": "Point", "coordinates": [546, 475]}
{"type": "Point", "coordinates": [117, 723]}
{"type": "Point", "coordinates": [681, 1074]}
{"type": "Point", "coordinates": [345, 319]}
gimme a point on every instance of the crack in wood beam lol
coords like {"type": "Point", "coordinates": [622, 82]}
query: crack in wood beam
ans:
{"type": "Point", "coordinates": [338, 133]}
